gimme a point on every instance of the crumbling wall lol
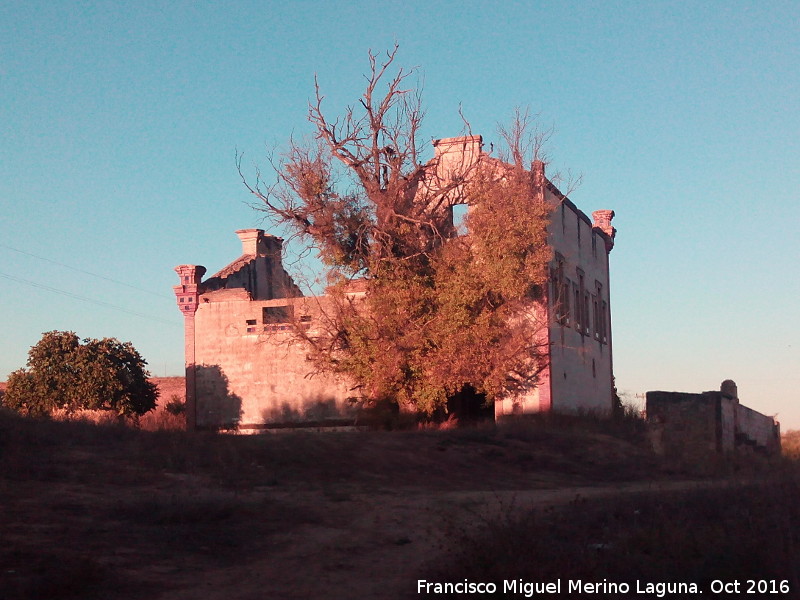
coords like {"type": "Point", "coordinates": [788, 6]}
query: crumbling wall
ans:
{"type": "Point", "coordinates": [685, 424]}
{"type": "Point", "coordinates": [757, 430]}
{"type": "Point", "coordinates": [695, 424]}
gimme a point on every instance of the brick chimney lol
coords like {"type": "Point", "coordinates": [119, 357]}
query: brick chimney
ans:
{"type": "Point", "coordinates": [257, 243]}
{"type": "Point", "coordinates": [602, 221]}
{"type": "Point", "coordinates": [538, 172]}
{"type": "Point", "coordinates": [250, 240]}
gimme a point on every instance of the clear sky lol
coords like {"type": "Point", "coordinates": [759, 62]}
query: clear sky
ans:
{"type": "Point", "coordinates": [119, 122]}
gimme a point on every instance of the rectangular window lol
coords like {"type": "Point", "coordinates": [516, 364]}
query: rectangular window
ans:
{"type": "Point", "coordinates": [277, 314]}
{"type": "Point", "coordinates": [604, 322]}
{"type": "Point", "coordinates": [560, 296]}
{"type": "Point", "coordinates": [586, 328]}
{"type": "Point", "coordinates": [559, 293]}
{"type": "Point", "coordinates": [580, 305]}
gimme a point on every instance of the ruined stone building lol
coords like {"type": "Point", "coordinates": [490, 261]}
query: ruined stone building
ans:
{"type": "Point", "coordinates": [245, 367]}
{"type": "Point", "coordinates": [686, 424]}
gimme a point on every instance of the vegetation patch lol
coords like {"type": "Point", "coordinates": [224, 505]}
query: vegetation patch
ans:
{"type": "Point", "coordinates": [726, 533]}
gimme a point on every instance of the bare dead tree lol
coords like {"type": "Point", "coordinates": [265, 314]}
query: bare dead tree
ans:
{"type": "Point", "coordinates": [377, 209]}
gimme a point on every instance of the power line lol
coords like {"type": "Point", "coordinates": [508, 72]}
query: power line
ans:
{"type": "Point", "coordinates": [60, 264]}
{"type": "Point", "coordinates": [85, 299]}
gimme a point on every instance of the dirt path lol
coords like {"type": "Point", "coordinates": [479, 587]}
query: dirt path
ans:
{"type": "Point", "coordinates": [376, 545]}
{"type": "Point", "coordinates": [110, 513]}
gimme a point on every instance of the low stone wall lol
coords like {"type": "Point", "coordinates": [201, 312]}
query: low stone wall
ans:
{"type": "Point", "coordinates": [689, 424]}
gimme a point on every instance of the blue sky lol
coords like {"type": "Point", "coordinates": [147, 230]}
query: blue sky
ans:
{"type": "Point", "coordinates": [120, 122]}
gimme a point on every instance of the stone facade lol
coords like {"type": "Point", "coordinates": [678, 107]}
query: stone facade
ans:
{"type": "Point", "coordinates": [578, 377]}
{"type": "Point", "coordinates": [246, 369]}
{"type": "Point", "coordinates": [244, 366]}
{"type": "Point", "coordinates": [696, 424]}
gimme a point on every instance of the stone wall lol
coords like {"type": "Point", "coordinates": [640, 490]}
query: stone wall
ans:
{"type": "Point", "coordinates": [757, 430]}
{"type": "Point", "coordinates": [250, 373]}
{"type": "Point", "coordinates": [695, 424]}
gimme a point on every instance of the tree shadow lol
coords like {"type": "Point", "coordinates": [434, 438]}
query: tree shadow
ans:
{"type": "Point", "coordinates": [311, 411]}
{"type": "Point", "coordinates": [217, 407]}
{"type": "Point", "coordinates": [469, 406]}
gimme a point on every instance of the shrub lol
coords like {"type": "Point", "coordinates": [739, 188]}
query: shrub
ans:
{"type": "Point", "coordinates": [790, 444]}
{"type": "Point", "coordinates": [175, 406]}
{"type": "Point", "coordinates": [65, 373]}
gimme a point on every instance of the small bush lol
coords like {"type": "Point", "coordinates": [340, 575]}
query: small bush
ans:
{"type": "Point", "coordinates": [790, 444]}
{"type": "Point", "coordinates": [175, 406]}
{"type": "Point", "coordinates": [162, 419]}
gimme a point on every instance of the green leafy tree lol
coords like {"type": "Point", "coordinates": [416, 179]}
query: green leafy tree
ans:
{"type": "Point", "coordinates": [442, 312]}
{"type": "Point", "coordinates": [66, 373]}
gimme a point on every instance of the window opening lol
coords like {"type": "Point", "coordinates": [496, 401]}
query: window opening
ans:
{"type": "Point", "coordinates": [586, 328]}
{"type": "Point", "coordinates": [277, 314]}
{"type": "Point", "coordinates": [459, 213]}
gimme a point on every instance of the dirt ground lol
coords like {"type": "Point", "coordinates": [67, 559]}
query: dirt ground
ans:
{"type": "Point", "coordinates": [106, 512]}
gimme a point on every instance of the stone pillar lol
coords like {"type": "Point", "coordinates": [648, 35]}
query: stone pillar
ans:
{"type": "Point", "coordinates": [729, 389]}
{"type": "Point", "coordinates": [187, 295]}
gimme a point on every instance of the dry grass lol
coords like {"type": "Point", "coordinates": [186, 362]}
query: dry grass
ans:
{"type": "Point", "coordinates": [162, 419]}
{"type": "Point", "coordinates": [790, 444]}
{"type": "Point", "coordinates": [730, 533]}
{"type": "Point", "coordinates": [93, 511]}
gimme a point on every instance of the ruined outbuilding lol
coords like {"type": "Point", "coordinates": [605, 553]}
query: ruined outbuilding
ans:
{"type": "Point", "coordinates": [696, 424]}
{"type": "Point", "coordinates": [246, 369]}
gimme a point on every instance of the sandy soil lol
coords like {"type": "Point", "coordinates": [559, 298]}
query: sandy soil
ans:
{"type": "Point", "coordinates": [106, 513]}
